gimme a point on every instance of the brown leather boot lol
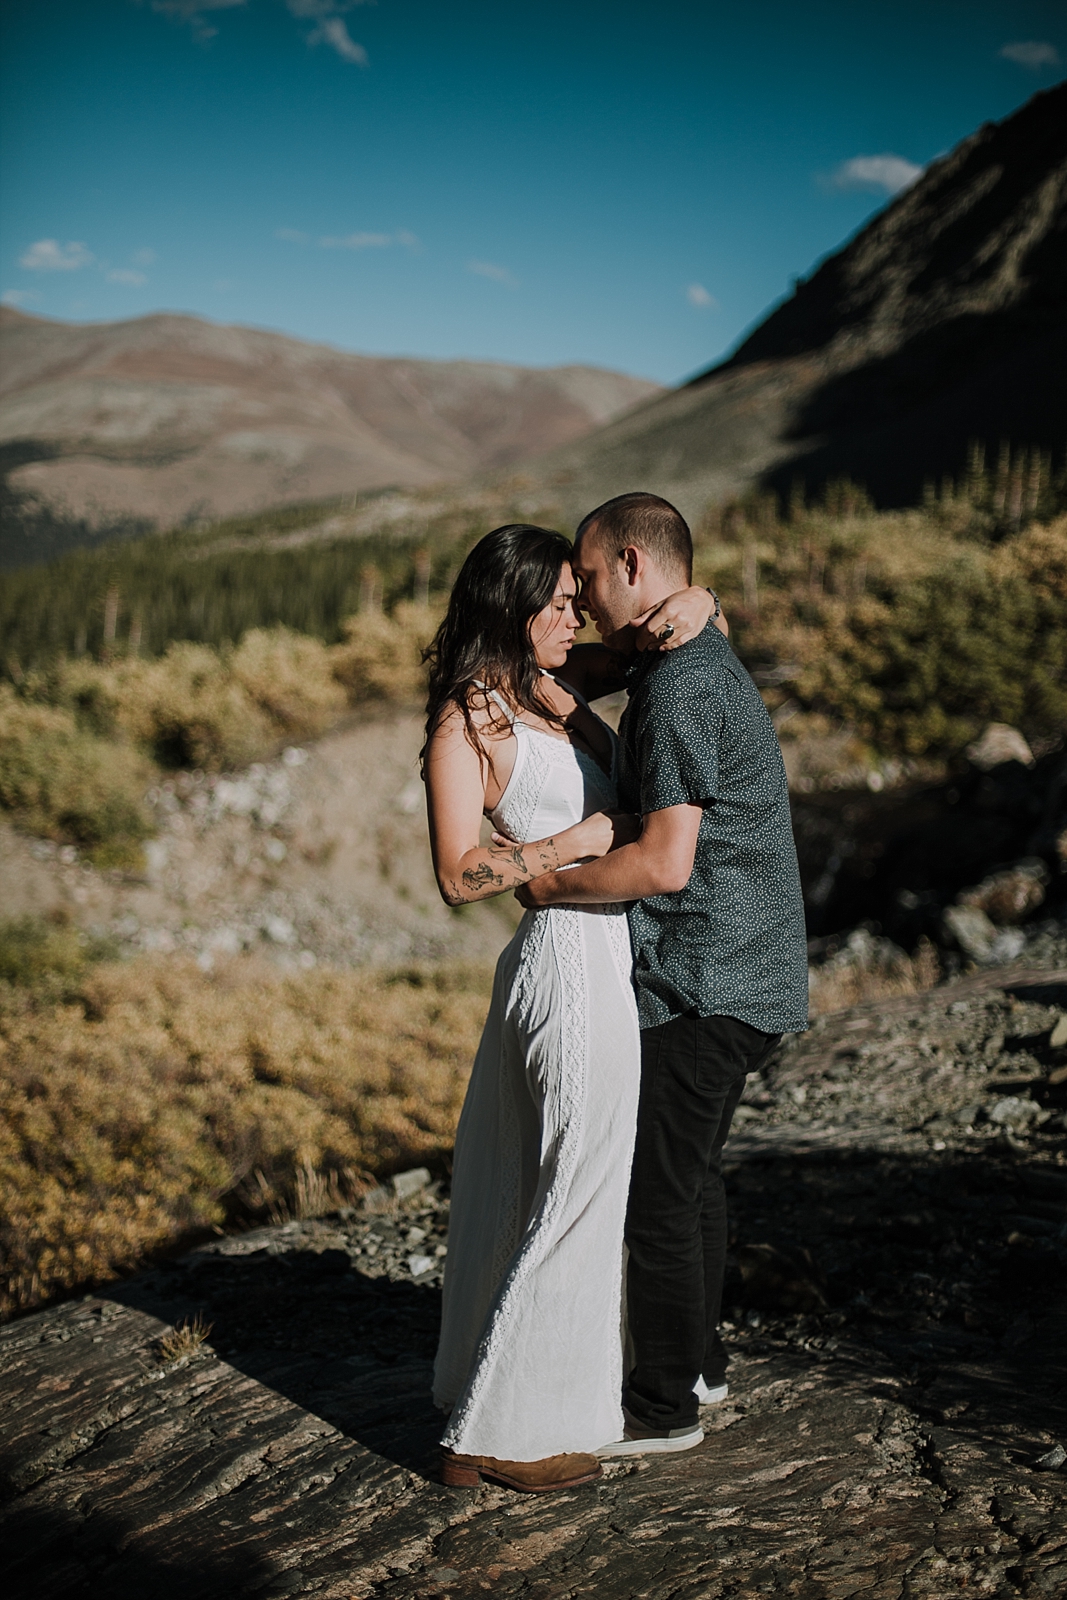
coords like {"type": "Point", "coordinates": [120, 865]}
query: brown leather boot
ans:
{"type": "Point", "coordinates": [533, 1477]}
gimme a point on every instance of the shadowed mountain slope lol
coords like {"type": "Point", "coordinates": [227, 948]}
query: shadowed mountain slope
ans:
{"type": "Point", "coordinates": [166, 416]}
{"type": "Point", "coordinates": [943, 321]}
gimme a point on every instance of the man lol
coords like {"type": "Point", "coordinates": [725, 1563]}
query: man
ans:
{"type": "Point", "coordinates": [720, 958]}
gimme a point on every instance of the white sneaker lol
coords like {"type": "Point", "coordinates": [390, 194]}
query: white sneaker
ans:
{"type": "Point", "coordinates": [710, 1397]}
{"type": "Point", "coordinates": [638, 1441]}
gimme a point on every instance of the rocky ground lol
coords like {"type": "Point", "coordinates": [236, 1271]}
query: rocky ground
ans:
{"type": "Point", "coordinates": [896, 1313]}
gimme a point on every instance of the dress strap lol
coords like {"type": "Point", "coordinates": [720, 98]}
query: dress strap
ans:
{"type": "Point", "coordinates": [502, 703]}
{"type": "Point", "coordinates": [570, 689]}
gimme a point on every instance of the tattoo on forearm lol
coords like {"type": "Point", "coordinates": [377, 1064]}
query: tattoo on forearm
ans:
{"type": "Point", "coordinates": [484, 878]}
{"type": "Point", "coordinates": [476, 879]}
{"type": "Point", "coordinates": [511, 853]}
{"type": "Point", "coordinates": [548, 856]}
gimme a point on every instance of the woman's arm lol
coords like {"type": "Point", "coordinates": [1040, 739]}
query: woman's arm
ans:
{"type": "Point", "coordinates": [593, 670]}
{"type": "Point", "coordinates": [596, 669]}
{"type": "Point", "coordinates": [467, 870]}
{"type": "Point", "coordinates": [687, 613]}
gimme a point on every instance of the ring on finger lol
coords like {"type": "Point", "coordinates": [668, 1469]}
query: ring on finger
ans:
{"type": "Point", "coordinates": [666, 633]}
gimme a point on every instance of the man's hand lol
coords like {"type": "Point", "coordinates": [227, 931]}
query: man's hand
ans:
{"type": "Point", "coordinates": [537, 893]}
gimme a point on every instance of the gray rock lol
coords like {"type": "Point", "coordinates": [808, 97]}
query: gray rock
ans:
{"type": "Point", "coordinates": [971, 929]}
{"type": "Point", "coordinates": [999, 743]}
{"type": "Point", "coordinates": [1010, 896]}
{"type": "Point", "coordinates": [1013, 1112]}
{"type": "Point", "coordinates": [405, 1184]}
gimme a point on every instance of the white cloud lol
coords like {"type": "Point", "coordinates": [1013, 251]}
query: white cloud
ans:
{"type": "Point", "coordinates": [327, 15]}
{"type": "Point", "coordinates": [369, 241]}
{"type": "Point", "coordinates": [331, 28]}
{"type": "Point", "coordinates": [697, 295]}
{"type": "Point", "coordinates": [358, 241]}
{"type": "Point", "coordinates": [48, 255]}
{"type": "Point", "coordinates": [126, 275]}
{"type": "Point", "coordinates": [192, 12]}
{"type": "Point", "coordinates": [332, 31]}
{"type": "Point", "coordinates": [144, 258]}
{"type": "Point", "coordinates": [19, 297]}
{"type": "Point", "coordinates": [294, 235]}
{"type": "Point", "coordinates": [489, 269]}
{"type": "Point", "coordinates": [1032, 53]}
{"type": "Point", "coordinates": [891, 173]}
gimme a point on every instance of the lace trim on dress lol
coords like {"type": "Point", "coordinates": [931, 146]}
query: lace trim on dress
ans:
{"type": "Point", "coordinates": [520, 800]}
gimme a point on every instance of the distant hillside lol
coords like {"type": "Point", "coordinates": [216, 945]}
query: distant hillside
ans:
{"type": "Point", "coordinates": [170, 416]}
{"type": "Point", "coordinates": [944, 321]}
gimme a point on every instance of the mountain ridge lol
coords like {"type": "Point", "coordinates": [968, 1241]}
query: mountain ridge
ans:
{"type": "Point", "coordinates": [941, 322]}
{"type": "Point", "coordinates": [166, 416]}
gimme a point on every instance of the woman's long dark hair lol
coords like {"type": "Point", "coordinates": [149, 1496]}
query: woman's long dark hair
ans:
{"type": "Point", "coordinates": [507, 578]}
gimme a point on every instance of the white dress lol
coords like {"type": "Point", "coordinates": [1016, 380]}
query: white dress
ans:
{"type": "Point", "coordinates": [530, 1356]}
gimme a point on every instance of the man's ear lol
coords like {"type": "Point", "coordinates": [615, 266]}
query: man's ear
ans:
{"type": "Point", "coordinates": [633, 561]}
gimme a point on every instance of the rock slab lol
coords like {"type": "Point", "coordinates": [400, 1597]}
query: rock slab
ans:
{"type": "Point", "coordinates": [897, 1435]}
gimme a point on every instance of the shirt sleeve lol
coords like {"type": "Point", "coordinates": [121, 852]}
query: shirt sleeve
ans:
{"type": "Point", "coordinates": [678, 738]}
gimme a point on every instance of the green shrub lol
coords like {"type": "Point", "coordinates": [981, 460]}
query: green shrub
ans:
{"type": "Point", "coordinates": [36, 954]}
{"type": "Point", "coordinates": [914, 635]}
{"type": "Point", "coordinates": [65, 784]}
{"type": "Point", "coordinates": [199, 707]}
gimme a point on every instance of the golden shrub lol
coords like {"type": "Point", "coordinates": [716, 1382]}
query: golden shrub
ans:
{"type": "Point", "coordinates": [200, 707]}
{"type": "Point", "coordinates": [288, 676]}
{"type": "Point", "coordinates": [838, 987]}
{"type": "Point", "coordinates": [165, 1101]}
{"type": "Point", "coordinates": [381, 657]}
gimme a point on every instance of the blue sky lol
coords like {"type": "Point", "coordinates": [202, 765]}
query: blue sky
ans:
{"type": "Point", "coordinates": [627, 184]}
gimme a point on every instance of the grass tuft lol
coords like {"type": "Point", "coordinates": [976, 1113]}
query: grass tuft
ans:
{"type": "Point", "coordinates": [184, 1340]}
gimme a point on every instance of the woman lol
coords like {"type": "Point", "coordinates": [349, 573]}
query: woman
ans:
{"type": "Point", "coordinates": [529, 1361]}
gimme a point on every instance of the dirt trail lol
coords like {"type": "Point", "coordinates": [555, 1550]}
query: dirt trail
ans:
{"type": "Point", "coordinates": [898, 1395]}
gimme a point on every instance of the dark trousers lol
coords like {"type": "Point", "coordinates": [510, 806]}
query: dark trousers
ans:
{"type": "Point", "coordinates": [693, 1070]}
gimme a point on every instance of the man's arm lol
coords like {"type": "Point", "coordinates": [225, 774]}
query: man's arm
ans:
{"type": "Point", "coordinates": [659, 862]}
{"type": "Point", "coordinates": [593, 670]}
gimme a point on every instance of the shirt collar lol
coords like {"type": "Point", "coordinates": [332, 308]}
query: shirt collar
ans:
{"type": "Point", "coordinates": [636, 668]}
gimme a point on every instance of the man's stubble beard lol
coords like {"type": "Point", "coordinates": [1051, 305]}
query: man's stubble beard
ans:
{"type": "Point", "coordinates": [621, 607]}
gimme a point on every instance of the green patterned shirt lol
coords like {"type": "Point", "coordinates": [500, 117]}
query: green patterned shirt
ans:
{"type": "Point", "coordinates": [732, 942]}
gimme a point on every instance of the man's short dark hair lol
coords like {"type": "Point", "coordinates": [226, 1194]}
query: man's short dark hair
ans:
{"type": "Point", "coordinates": [646, 522]}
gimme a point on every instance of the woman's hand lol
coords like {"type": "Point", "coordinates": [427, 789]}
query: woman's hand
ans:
{"type": "Point", "coordinates": [684, 615]}
{"type": "Point", "coordinates": [627, 828]}
{"type": "Point", "coordinates": [591, 838]}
